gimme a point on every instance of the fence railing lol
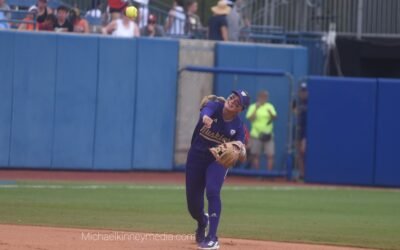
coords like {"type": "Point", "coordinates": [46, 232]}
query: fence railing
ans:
{"type": "Point", "coordinates": [13, 18]}
{"type": "Point", "coordinates": [351, 17]}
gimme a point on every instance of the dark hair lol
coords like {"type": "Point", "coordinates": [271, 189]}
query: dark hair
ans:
{"type": "Point", "coordinates": [51, 17]}
{"type": "Point", "coordinates": [189, 3]}
{"type": "Point", "coordinates": [180, 2]}
{"type": "Point", "coordinates": [62, 7]}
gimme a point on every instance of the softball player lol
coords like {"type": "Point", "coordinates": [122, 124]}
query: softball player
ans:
{"type": "Point", "coordinates": [218, 123]}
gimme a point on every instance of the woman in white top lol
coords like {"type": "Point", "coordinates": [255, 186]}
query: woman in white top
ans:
{"type": "Point", "coordinates": [123, 27]}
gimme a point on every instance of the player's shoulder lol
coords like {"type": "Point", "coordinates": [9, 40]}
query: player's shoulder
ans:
{"type": "Point", "coordinates": [216, 104]}
{"type": "Point", "coordinates": [213, 104]}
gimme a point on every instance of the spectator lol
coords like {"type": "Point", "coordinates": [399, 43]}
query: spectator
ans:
{"type": "Point", "coordinates": [95, 12]}
{"type": "Point", "coordinates": [152, 29]}
{"type": "Point", "coordinates": [96, 18]}
{"type": "Point", "coordinates": [217, 24]}
{"type": "Point", "coordinates": [63, 24]}
{"type": "Point", "coordinates": [234, 22]}
{"type": "Point", "coordinates": [49, 23]}
{"type": "Point", "coordinates": [43, 10]}
{"type": "Point", "coordinates": [122, 27]}
{"type": "Point", "coordinates": [193, 24]}
{"type": "Point", "coordinates": [116, 8]}
{"type": "Point", "coordinates": [80, 24]}
{"type": "Point", "coordinates": [301, 135]}
{"type": "Point", "coordinates": [261, 115]}
{"type": "Point", "coordinates": [143, 12]}
{"type": "Point", "coordinates": [29, 20]}
{"type": "Point", "coordinates": [175, 23]}
{"type": "Point", "coordinates": [4, 6]}
{"type": "Point", "coordinates": [4, 24]}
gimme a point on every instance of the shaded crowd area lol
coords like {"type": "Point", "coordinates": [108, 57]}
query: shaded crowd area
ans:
{"type": "Point", "coordinates": [180, 20]}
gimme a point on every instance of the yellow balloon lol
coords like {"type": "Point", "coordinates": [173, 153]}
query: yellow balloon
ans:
{"type": "Point", "coordinates": [131, 12]}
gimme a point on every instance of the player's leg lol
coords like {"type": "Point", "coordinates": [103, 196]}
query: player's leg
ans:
{"type": "Point", "coordinates": [214, 181]}
{"type": "Point", "coordinates": [195, 186]}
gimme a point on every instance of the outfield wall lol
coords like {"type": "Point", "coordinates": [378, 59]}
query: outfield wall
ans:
{"type": "Point", "coordinates": [93, 102]}
{"type": "Point", "coordinates": [353, 131]}
{"type": "Point", "coordinates": [85, 102]}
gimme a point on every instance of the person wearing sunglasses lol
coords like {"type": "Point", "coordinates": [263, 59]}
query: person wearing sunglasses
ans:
{"type": "Point", "coordinates": [219, 122]}
{"type": "Point", "coordinates": [152, 29]}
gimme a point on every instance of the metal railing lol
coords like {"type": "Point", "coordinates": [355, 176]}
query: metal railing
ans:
{"type": "Point", "coordinates": [27, 3]}
{"type": "Point", "coordinates": [351, 17]}
{"type": "Point", "coordinates": [16, 18]}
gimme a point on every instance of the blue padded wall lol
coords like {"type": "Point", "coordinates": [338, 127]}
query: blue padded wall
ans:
{"type": "Point", "coordinates": [7, 40]}
{"type": "Point", "coordinates": [387, 171]}
{"type": "Point", "coordinates": [115, 105]}
{"type": "Point", "coordinates": [228, 56]}
{"type": "Point", "coordinates": [155, 111]}
{"type": "Point", "coordinates": [33, 100]}
{"type": "Point", "coordinates": [341, 130]}
{"type": "Point", "coordinates": [287, 58]}
{"type": "Point", "coordinates": [79, 111]}
{"type": "Point", "coordinates": [77, 64]}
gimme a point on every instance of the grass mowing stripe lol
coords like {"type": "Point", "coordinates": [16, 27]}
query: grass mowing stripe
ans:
{"type": "Point", "coordinates": [356, 217]}
{"type": "Point", "coordinates": [179, 187]}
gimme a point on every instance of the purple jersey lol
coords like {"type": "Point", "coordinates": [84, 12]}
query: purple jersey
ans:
{"type": "Point", "coordinates": [221, 131]}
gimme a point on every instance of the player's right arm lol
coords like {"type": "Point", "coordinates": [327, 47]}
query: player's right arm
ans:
{"type": "Point", "coordinates": [206, 112]}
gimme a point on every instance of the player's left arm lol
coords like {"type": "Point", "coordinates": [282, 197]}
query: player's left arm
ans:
{"type": "Point", "coordinates": [241, 136]}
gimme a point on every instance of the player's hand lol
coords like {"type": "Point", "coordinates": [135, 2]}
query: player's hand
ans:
{"type": "Point", "coordinates": [207, 121]}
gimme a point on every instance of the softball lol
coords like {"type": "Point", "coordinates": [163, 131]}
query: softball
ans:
{"type": "Point", "coordinates": [131, 12]}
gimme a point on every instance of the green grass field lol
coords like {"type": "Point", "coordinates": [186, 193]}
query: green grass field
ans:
{"type": "Point", "coordinates": [338, 216]}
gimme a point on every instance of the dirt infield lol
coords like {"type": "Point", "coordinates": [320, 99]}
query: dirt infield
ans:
{"type": "Point", "coordinates": [14, 237]}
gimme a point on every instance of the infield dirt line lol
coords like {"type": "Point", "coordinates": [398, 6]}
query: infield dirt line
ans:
{"type": "Point", "coordinates": [21, 237]}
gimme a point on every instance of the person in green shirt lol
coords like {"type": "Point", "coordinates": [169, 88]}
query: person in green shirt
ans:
{"type": "Point", "coordinates": [261, 115]}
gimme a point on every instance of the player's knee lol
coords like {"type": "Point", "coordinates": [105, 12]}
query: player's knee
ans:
{"type": "Point", "coordinates": [213, 193]}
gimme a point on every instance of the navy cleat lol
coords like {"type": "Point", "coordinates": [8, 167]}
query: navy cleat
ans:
{"type": "Point", "coordinates": [209, 244]}
{"type": "Point", "coordinates": [201, 231]}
